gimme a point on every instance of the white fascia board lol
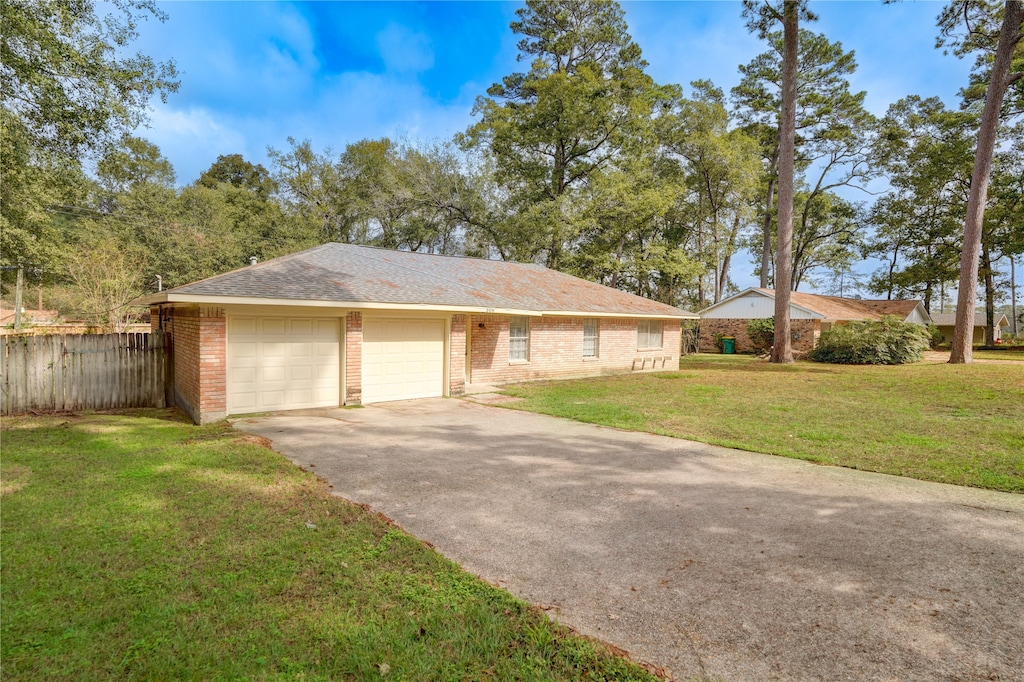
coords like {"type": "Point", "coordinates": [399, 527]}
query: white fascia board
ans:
{"type": "Point", "coordinates": [192, 299]}
{"type": "Point", "coordinates": [652, 316]}
{"type": "Point", "coordinates": [172, 298]}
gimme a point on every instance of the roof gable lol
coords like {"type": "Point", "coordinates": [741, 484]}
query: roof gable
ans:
{"type": "Point", "coordinates": [347, 273]}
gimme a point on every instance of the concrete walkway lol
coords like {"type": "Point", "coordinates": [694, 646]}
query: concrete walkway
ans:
{"type": "Point", "coordinates": [714, 563]}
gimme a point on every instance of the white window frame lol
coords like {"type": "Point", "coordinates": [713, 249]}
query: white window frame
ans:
{"type": "Point", "coordinates": [591, 340]}
{"type": "Point", "coordinates": [649, 334]}
{"type": "Point", "coordinates": [519, 339]}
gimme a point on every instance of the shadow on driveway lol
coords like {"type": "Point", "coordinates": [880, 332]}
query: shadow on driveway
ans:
{"type": "Point", "coordinates": [711, 562]}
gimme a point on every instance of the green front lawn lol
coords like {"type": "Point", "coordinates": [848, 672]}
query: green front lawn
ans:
{"type": "Point", "coordinates": [138, 546]}
{"type": "Point", "coordinates": [1014, 353]}
{"type": "Point", "coordinates": [961, 424]}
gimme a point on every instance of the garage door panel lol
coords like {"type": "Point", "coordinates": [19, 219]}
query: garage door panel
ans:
{"type": "Point", "coordinates": [242, 325]}
{"type": "Point", "coordinates": [278, 363]}
{"type": "Point", "coordinates": [273, 325]}
{"type": "Point", "coordinates": [402, 359]}
{"type": "Point", "coordinates": [300, 327]}
{"type": "Point", "coordinates": [300, 350]}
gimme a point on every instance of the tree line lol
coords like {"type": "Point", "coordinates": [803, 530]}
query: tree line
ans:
{"type": "Point", "coordinates": [581, 162]}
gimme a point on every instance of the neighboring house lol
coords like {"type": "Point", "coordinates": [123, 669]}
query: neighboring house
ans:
{"type": "Point", "coordinates": [341, 324]}
{"type": "Point", "coordinates": [810, 314]}
{"type": "Point", "coordinates": [946, 321]}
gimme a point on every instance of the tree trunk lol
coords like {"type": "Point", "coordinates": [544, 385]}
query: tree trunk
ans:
{"type": "Point", "coordinates": [766, 242]}
{"type": "Point", "coordinates": [782, 350]}
{"type": "Point", "coordinates": [1013, 294]}
{"type": "Point", "coordinates": [990, 296]}
{"type": "Point", "coordinates": [1000, 81]}
{"type": "Point", "coordinates": [723, 276]}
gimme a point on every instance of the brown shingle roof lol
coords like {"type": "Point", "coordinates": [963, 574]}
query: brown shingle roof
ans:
{"type": "Point", "coordinates": [836, 308]}
{"type": "Point", "coordinates": [347, 273]}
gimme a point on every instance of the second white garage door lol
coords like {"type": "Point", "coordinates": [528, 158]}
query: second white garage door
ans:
{"type": "Point", "coordinates": [402, 359]}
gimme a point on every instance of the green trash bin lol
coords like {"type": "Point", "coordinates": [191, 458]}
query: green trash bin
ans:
{"type": "Point", "coordinates": [729, 345]}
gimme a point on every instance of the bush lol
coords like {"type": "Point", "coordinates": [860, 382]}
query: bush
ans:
{"type": "Point", "coordinates": [936, 338]}
{"type": "Point", "coordinates": [887, 342]}
{"type": "Point", "coordinates": [762, 333]}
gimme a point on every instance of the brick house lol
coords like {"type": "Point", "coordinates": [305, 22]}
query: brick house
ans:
{"type": "Point", "coordinates": [341, 324]}
{"type": "Point", "coordinates": [810, 314]}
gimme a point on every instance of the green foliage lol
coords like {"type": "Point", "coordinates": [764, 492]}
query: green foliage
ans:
{"type": "Point", "coordinates": [927, 153]}
{"type": "Point", "coordinates": [888, 341]}
{"type": "Point", "coordinates": [832, 133]}
{"type": "Point", "coordinates": [935, 337]}
{"type": "Point", "coordinates": [969, 27]}
{"type": "Point", "coordinates": [585, 102]}
{"type": "Point", "coordinates": [67, 76]}
{"type": "Point", "coordinates": [236, 171]}
{"type": "Point", "coordinates": [762, 333]}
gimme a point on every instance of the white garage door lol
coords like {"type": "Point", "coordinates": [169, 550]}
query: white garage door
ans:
{"type": "Point", "coordinates": [282, 363]}
{"type": "Point", "coordinates": [402, 359]}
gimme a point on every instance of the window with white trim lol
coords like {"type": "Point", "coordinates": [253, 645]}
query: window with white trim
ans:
{"type": "Point", "coordinates": [590, 333]}
{"type": "Point", "coordinates": [648, 334]}
{"type": "Point", "coordinates": [519, 339]}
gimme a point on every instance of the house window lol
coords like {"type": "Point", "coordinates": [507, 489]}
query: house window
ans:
{"type": "Point", "coordinates": [590, 338]}
{"type": "Point", "coordinates": [519, 339]}
{"type": "Point", "coordinates": [648, 334]}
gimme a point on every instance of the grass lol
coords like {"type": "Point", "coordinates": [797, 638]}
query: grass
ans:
{"type": "Point", "coordinates": [1016, 354]}
{"type": "Point", "coordinates": [138, 546]}
{"type": "Point", "coordinates": [961, 424]}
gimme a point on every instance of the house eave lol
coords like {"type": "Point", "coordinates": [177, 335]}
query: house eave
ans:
{"type": "Point", "coordinates": [177, 299]}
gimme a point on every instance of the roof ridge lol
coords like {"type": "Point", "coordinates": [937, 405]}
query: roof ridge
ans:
{"type": "Point", "coordinates": [508, 302]}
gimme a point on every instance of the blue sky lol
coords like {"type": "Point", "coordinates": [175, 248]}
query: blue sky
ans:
{"type": "Point", "coordinates": [255, 73]}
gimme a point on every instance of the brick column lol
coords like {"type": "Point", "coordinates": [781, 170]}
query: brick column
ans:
{"type": "Point", "coordinates": [200, 362]}
{"type": "Point", "coordinates": [457, 356]}
{"type": "Point", "coordinates": [354, 359]}
{"type": "Point", "coordinates": [213, 399]}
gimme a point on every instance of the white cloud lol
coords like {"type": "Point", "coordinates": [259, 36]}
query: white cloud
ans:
{"type": "Point", "coordinates": [192, 139]}
{"type": "Point", "coordinates": [405, 51]}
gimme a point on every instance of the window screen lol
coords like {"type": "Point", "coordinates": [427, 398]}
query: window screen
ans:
{"type": "Point", "coordinates": [519, 339]}
{"type": "Point", "coordinates": [590, 338]}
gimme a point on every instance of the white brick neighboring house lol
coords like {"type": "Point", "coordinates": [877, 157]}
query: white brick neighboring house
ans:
{"type": "Point", "coordinates": [810, 314]}
{"type": "Point", "coordinates": [341, 324]}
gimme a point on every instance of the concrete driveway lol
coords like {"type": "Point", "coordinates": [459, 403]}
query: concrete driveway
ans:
{"type": "Point", "coordinates": [711, 562]}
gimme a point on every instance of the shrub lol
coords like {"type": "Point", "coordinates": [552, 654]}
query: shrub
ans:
{"type": "Point", "coordinates": [937, 339]}
{"type": "Point", "coordinates": [762, 333]}
{"type": "Point", "coordinates": [716, 339]}
{"type": "Point", "coordinates": [886, 342]}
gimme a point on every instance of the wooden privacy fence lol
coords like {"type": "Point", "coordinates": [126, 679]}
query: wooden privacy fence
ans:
{"type": "Point", "coordinates": [83, 372]}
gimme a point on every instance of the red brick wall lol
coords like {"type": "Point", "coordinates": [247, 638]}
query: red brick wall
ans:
{"type": "Point", "coordinates": [354, 359]}
{"type": "Point", "coordinates": [556, 349]}
{"type": "Point", "coordinates": [805, 334]}
{"type": "Point", "coordinates": [457, 356]}
{"type": "Point", "coordinates": [200, 362]}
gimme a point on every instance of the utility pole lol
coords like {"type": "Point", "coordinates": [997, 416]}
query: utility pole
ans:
{"type": "Point", "coordinates": [17, 297]}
